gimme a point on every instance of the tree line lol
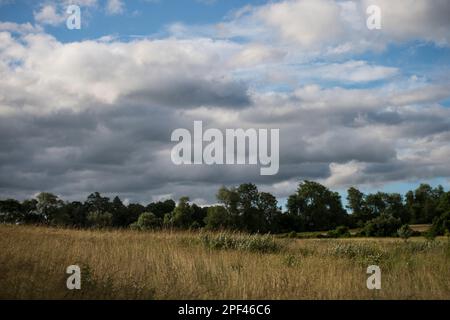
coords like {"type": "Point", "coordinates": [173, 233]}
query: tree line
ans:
{"type": "Point", "coordinates": [313, 207]}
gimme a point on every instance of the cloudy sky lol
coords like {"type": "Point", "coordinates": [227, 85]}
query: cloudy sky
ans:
{"type": "Point", "coordinates": [93, 109]}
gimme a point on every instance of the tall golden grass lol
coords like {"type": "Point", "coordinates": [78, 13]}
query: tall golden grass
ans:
{"type": "Point", "coordinates": [178, 265]}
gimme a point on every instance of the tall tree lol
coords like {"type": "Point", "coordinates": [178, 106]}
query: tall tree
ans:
{"type": "Point", "coordinates": [160, 208]}
{"type": "Point", "coordinates": [10, 211]}
{"type": "Point", "coordinates": [357, 204]}
{"type": "Point", "coordinates": [182, 214]}
{"type": "Point", "coordinates": [230, 199]}
{"type": "Point", "coordinates": [120, 217]}
{"type": "Point", "coordinates": [317, 207]}
{"type": "Point", "coordinates": [250, 218]}
{"type": "Point", "coordinates": [95, 202]}
{"type": "Point", "coordinates": [267, 206]}
{"type": "Point", "coordinates": [47, 207]}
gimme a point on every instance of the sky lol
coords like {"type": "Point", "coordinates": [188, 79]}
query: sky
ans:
{"type": "Point", "coordinates": [93, 109]}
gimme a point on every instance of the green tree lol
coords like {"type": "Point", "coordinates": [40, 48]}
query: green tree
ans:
{"type": "Point", "coordinates": [182, 214]}
{"type": "Point", "coordinates": [77, 213]}
{"type": "Point", "coordinates": [317, 207]}
{"type": "Point", "coordinates": [441, 225]}
{"type": "Point", "coordinates": [160, 208]}
{"type": "Point", "coordinates": [357, 204]}
{"type": "Point", "coordinates": [48, 206]}
{"type": "Point", "coordinates": [375, 204]}
{"type": "Point", "coordinates": [11, 211]}
{"type": "Point", "coordinates": [29, 210]}
{"type": "Point", "coordinates": [95, 202]}
{"type": "Point", "coordinates": [444, 203]}
{"type": "Point", "coordinates": [383, 226]}
{"type": "Point", "coordinates": [99, 219]}
{"type": "Point", "coordinates": [147, 221]}
{"type": "Point", "coordinates": [230, 200]}
{"type": "Point", "coordinates": [134, 210]}
{"type": "Point", "coordinates": [423, 203]}
{"type": "Point", "coordinates": [250, 218]}
{"type": "Point", "coordinates": [119, 213]}
{"type": "Point", "coordinates": [218, 218]}
{"type": "Point", "coordinates": [267, 206]}
{"type": "Point", "coordinates": [395, 206]}
{"type": "Point", "coordinates": [198, 216]}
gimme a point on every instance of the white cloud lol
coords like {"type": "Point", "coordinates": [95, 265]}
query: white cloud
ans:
{"type": "Point", "coordinates": [335, 28]}
{"type": "Point", "coordinates": [345, 174]}
{"type": "Point", "coordinates": [48, 14]}
{"type": "Point", "coordinates": [414, 19]}
{"type": "Point", "coordinates": [256, 54]}
{"type": "Point", "coordinates": [20, 27]}
{"type": "Point", "coordinates": [89, 72]}
{"type": "Point", "coordinates": [309, 23]}
{"type": "Point", "coordinates": [355, 71]}
{"type": "Point", "coordinates": [115, 7]}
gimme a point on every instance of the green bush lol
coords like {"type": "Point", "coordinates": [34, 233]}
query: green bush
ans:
{"type": "Point", "coordinates": [441, 225]}
{"type": "Point", "coordinates": [97, 219]}
{"type": "Point", "coordinates": [146, 221]}
{"type": "Point", "coordinates": [255, 243]}
{"type": "Point", "coordinates": [357, 251]}
{"type": "Point", "coordinates": [339, 232]}
{"type": "Point", "coordinates": [405, 232]}
{"type": "Point", "coordinates": [217, 218]}
{"type": "Point", "coordinates": [418, 247]}
{"type": "Point", "coordinates": [383, 226]}
{"type": "Point", "coordinates": [292, 235]}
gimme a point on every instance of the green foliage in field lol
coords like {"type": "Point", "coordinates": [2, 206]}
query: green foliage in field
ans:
{"type": "Point", "coordinates": [405, 232]}
{"type": "Point", "coordinates": [218, 218]}
{"type": "Point", "coordinates": [339, 232]}
{"type": "Point", "coordinates": [253, 243]}
{"type": "Point", "coordinates": [364, 253]}
{"type": "Point", "coordinates": [441, 225]}
{"type": "Point", "coordinates": [98, 219]}
{"type": "Point", "coordinates": [147, 221]}
{"type": "Point", "coordinates": [383, 226]}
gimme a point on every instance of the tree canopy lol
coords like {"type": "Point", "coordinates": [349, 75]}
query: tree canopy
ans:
{"type": "Point", "coordinates": [313, 207]}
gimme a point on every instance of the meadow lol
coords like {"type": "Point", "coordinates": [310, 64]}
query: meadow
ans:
{"type": "Point", "coordinates": [126, 264]}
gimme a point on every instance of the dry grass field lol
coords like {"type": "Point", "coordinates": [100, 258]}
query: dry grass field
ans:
{"type": "Point", "coordinates": [182, 265]}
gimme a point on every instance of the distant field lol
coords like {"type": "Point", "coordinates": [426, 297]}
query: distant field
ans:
{"type": "Point", "coordinates": [420, 227]}
{"type": "Point", "coordinates": [180, 265]}
{"type": "Point", "coordinates": [353, 232]}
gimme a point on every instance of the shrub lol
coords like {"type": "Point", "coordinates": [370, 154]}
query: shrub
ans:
{"type": "Point", "coordinates": [383, 226]}
{"type": "Point", "coordinates": [147, 221]}
{"type": "Point", "coordinates": [418, 247]}
{"type": "Point", "coordinates": [429, 235]}
{"type": "Point", "coordinates": [357, 252]}
{"type": "Point", "coordinates": [98, 219]}
{"type": "Point", "coordinates": [217, 218]}
{"type": "Point", "coordinates": [440, 226]}
{"type": "Point", "coordinates": [291, 260]}
{"type": "Point", "coordinates": [339, 232]}
{"type": "Point", "coordinates": [195, 226]}
{"type": "Point", "coordinates": [292, 234]}
{"type": "Point", "coordinates": [255, 243]}
{"type": "Point", "coordinates": [405, 232]}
